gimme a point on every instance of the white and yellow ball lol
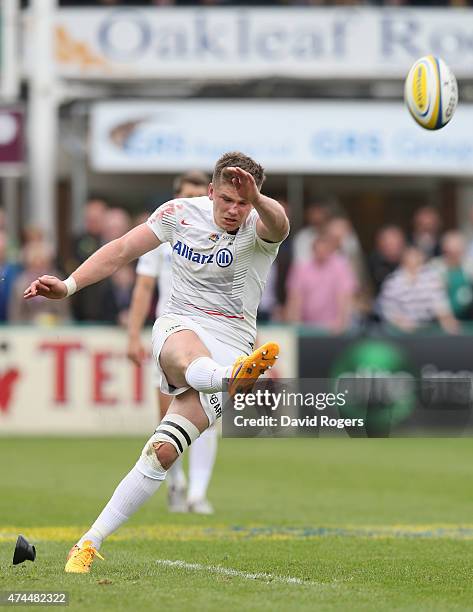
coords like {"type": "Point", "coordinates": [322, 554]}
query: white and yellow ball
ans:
{"type": "Point", "coordinates": [431, 92]}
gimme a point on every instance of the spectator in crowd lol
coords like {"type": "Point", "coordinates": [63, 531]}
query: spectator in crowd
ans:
{"type": "Point", "coordinates": [423, 3]}
{"type": "Point", "coordinates": [140, 218]}
{"type": "Point", "coordinates": [32, 233]}
{"type": "Point", "coordinates": [117, 222]}
{"type": "Point", "coordinates": [346, 239]}
{"type": "Point", "coordinates": [8, 274]}
{"type": "Point", "coordinates": [105, 3]}
{"type": "Point", "coordinates": [390, 245]}
{"type": "Point", "coordinates": [457, 273]}
{"type": "Point", "coordinates": [273, 300]}
{"type": "Point", "coordinates": [116, 290]}
{"type": "Point", "coordinates": [414, 295]}
{"type": "Point", "coordinates": [87, 305]}
{"type": "Point", "coordinates": [107, 301]}
{"type": "Point", "coordinates": [321, 291]}
{"type": "Point", "coordinates": [118, 298]}
{"type": "Point", "coordinates": [467, 229]}
{"type": "Point", "coordinates": [268, 304]}
{"type": "Point", "coordinates": [317, 214]}
{"type": "Point", "coordinates": [38, 257]}
{"type": "Point", "coordinates": [144, 3]}
{"type": "Point", "coordinates": [426, 231]}
{"type": "Point", "coordinates": [88, 241]}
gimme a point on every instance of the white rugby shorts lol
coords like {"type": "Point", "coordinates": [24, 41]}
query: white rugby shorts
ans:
{"type": "Point", "coordinates": [224, 355]}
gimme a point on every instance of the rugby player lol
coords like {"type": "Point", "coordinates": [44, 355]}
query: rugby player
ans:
{"type": "Point", "coordinates": [152, 267]}
{"type": "Point", "coordinates": [223, 246]}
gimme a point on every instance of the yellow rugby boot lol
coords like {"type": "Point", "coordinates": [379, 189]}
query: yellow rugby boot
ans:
{"type": "Point", "coordinates": [80, 558]}
{"type": "Point", "coordinates": [247, 369]}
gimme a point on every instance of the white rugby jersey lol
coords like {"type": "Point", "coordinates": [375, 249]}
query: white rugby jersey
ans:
{"type": "Point", "coordinates": [157, 263]}
{"type": "Point", "coordinates": [217, 277]}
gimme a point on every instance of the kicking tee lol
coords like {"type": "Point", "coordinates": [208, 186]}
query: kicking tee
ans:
{"type": "Point", "coordinates": [217, 277]}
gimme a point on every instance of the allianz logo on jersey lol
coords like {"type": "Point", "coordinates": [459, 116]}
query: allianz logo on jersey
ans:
{"type": "Point", "coordinates": [223, 257]}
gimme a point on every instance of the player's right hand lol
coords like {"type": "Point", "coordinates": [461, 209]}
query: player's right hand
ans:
{"type": "Point", "coordinates": [47, 286]}
{"type": "Point", "coordinates": [136, 351]}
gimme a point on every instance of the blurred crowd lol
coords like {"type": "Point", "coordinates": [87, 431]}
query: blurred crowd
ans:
{"type": "Point", "coordinates": [409, 281]}
{"type": "Point", "coordinates": [105, 302]}
{"type": "Point", "coordinates": [413, 277]}
{"type": "Point", "coordinates": [417, 3]}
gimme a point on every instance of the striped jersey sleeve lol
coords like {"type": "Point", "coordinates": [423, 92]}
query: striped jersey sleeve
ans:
{"type": "Point", "coordinates": [163, 220]}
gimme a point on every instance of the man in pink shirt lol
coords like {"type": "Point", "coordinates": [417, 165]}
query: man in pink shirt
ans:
{"type": "Point", "coordinates": [321, 290]}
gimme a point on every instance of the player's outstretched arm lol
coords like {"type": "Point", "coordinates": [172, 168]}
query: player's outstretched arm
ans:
{"type": "Point", "coordinates": [98, 266]}
{"type": "Point", "coordinates": [273, 224]}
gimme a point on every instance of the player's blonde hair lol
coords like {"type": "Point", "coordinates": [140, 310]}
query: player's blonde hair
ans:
{"type": "Point", "coordinates": [240, 160]}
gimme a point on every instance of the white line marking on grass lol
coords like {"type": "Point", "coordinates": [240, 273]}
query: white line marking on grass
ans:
{"type": "Point", "coordinates": [228, 571]}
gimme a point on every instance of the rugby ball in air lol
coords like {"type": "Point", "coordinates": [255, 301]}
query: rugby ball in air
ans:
{"type": "Point", "coordinates": [431, 92]}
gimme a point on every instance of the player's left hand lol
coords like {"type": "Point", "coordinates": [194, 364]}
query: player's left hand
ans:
{"type": "Point", "coordinates": [244, 183]}
{"type": "Point", "coordinates": [136, 352]}
{"type": "Point", "coordinates": [47, 286]}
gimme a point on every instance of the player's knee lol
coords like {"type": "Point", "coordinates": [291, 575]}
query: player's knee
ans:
{"type": "Point", "coordinates": [171, 438]}
{"type": "Point", "coordinates": [181, 362]}
{"type": "Point", "coordinates": [181, 349]}
{"type": "Point", "coordinates": [165, 453]}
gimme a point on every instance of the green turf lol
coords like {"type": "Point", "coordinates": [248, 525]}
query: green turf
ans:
{"type": "Point", "coordinates": [272, 497]}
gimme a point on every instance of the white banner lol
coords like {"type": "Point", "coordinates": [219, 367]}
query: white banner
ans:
{"type": "Point", "coordinates": [79, 381]}
{"type": "Point", "coordinates": [285, 136]}
{"type": "Point", "coordinates": [235, 43]}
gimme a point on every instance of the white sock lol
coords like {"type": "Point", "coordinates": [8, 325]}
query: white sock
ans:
{"type": "Point", "coordinates": [204, 374]}
{"type": "Point", "coordinates": [131, 494]}
{"type": "Point", "coordinates": [201, 461]}
{"type": "Point", "coordinates": [175, 475]}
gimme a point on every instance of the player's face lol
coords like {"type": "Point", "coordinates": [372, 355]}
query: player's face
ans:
{"type": "Point", "coordinates": [230, 211]}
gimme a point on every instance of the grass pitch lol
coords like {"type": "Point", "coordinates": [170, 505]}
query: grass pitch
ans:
{"type": "Point", "coordinates": [331, 524]}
